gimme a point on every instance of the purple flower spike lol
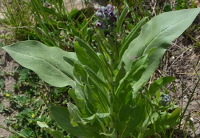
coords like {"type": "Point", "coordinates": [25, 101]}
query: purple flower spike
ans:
{"type": "Point", "coordinates": [106, 18]}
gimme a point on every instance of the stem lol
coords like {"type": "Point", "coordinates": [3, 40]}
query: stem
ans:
{"type": "Point", "coordinates": [112, 63]}
{"type": "Point", "coordinates": [189, 101]}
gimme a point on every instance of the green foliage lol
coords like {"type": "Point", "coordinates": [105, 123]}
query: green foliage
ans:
{"type": "Point", "coordinates": [23, 106]}
{"type": "Point", "coordinates": [18, 17]}
{"type": "Point", "coordinates": [109, 93]}
{"type": "Point", "coordinates": [163, 32]}
{"type": "Point", "coordinates": [48, 58]}
{"type": "Point", "coordinates": [29, 103]}
{"type": "Point", "coordinates": [181, 4]}
{"type": "Point", "coordinates": [47, 21]}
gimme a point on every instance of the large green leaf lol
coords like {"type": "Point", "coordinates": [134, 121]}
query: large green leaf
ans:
{"type": "Point", "coordinates": [47, 62]}
{"type": "Point", "coordinates": [163, 121]}
{"type": "Point", "coordinates": [135, 73]}
{"type": "Point", "coordinates": [100, 80]}
{"type": "Point", "coordinates": [75, 115]}
{"type": "Point", "coordinates": [93, 56]}
{"type": "Point", "coordinates": [156, 85]}
{"type": "Point", "coordinates": [80, 74]}
{"type": "Point", "coordinates": [89, 126]}
{"type": "Point", "coordinates": [131, 36]}
{"type": "Point", "coordinates": [79, 99]}
{"type": "Point", "coordinates": [130, 116]}
{"type": "Point", "coordinates": [84, 58]}
{"type": "Point", "coordinates": [62, 117]}
{"type": "Point", "coordinates": [95, 116]}
{"type": "Point", "coordinates": [158, 33]}
{"type": "Point", "coordinates": [97, 96]}
{"type": "Point", "coordinates": [54, 133]}
{"type": "Point", "coordinates": [121, 19]}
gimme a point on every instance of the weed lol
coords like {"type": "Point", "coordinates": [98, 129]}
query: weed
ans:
{"type": "Point", "coordinates": [18, 18]}
{"type": "Point", "coordinates": [29, 104]}
{"type": "Point", "coordinates": [33, 98]}
{"type": "Point", "coordinates": [108, 86]}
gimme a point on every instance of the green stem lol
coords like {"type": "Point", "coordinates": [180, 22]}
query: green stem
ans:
{"type": "Point", "coordinates": [188, 103]}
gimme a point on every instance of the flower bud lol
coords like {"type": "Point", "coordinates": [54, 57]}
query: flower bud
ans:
{"type": "Point", "coordinates": [106, 11]}
{"type": "Point", "coordinates": [110, 7]}
{"type": "Point", "coordinates": [99, 9]}
{"type": "Point", "coordinates": [98, 24]}
{"type": "Point", "coordinates": [101, 25]}
{"type": "Point", "coordinates": [111, 14]}
{"type": "Point", "coordinates": [164, 99]}
{"type": "Point", "coordinates": [99, 14]}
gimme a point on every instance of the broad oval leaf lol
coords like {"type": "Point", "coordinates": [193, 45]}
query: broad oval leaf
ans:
{"type": "Point", "coordinates": [46, 62]}
{"type": "Point", "coordinates": [158, 33]}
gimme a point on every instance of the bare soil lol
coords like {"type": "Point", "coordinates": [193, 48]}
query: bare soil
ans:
{"type": "Point", "coordinates": [181, 60]}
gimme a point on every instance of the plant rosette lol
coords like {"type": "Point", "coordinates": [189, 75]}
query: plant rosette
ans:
{"type": "Point", "coordinates": [108, 84]}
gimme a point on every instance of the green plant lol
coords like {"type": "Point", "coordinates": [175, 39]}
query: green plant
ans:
{"type": "Point", "coordinates": [47, 21]}
{"type": "Point", "coordinates": [108, 86]}
{"type": "Point", "coordinates": [181, 4]}
{"type": "Point", "coordinates": [17, 17]}
{"type": "Point", "coordinates": [56, 27]}
{"type": "Point", "coordinates": [29, 104]}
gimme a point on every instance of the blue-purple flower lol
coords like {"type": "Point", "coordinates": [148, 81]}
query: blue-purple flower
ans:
{"type": "Point", "coordinates": [105, 12]}
{"type": "Point", "coordinates": [110, 7]}
{"type": "Point", "coordinates": [99, 14]}
{"type": "Point", "coordinates": [100, 25]}
{"type": "Point", "coordinates": [106, 17]}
